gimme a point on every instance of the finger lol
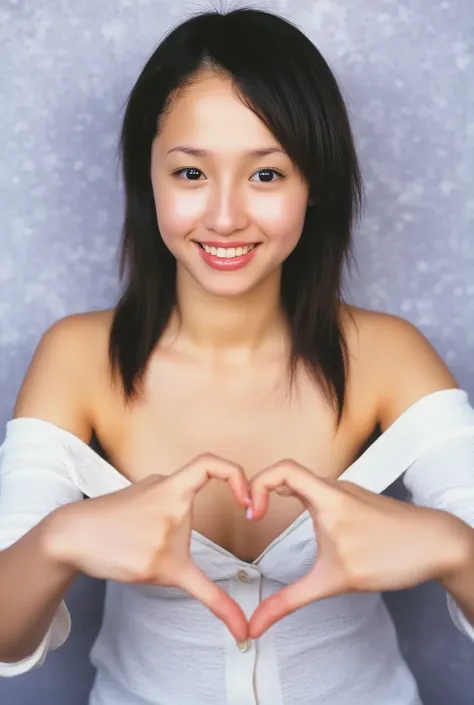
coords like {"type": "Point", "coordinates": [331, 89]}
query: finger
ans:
{"type": "Point", "coordinates": [310, 489]}
{"type": "Point", "coordinates": [323, 580]}
{"type": "Point", "coordinates": [196, 474]}
{"type": "Point", "coordinates": [281, 604]}
{"type": "Point", "coordinates": [197, 584]}
{"type": "Point", "coordinates": [364, 494]}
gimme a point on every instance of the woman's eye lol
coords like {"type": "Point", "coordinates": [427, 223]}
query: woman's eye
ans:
{"type": "Point", "coordinates": [191, 171]}
{"type": "Point", "coordinates": [267, 175]}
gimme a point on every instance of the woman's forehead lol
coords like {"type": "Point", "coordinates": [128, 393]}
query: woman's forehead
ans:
{"type": "Point", "coordinates": [210, 117]}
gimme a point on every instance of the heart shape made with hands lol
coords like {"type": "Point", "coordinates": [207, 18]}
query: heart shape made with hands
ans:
{"type": "Point", "coordinates": [286, 478]}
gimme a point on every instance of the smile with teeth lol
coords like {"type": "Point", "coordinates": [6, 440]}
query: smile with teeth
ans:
{"type": "Point", "coordinates": [227, 252]}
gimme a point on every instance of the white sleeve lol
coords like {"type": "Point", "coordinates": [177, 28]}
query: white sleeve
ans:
{"type": "Point", "coordinates": [35, 478]}
{"type": "Point", "coordinates": [430, 445]}
{"type": "Point", "coordinates": [443, 478]}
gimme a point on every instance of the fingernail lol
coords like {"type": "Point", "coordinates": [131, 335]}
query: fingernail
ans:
{"type": "Point", "coordinates": [249, 513]}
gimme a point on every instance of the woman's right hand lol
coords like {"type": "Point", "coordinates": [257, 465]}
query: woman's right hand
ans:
{"type": "Point", "coordinates": [142, 534]}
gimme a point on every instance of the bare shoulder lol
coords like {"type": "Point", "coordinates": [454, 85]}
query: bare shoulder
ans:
{"type": "Point", "coordinates": [70, 358]}
{"type": "Point", "coordinates": [398, 361]}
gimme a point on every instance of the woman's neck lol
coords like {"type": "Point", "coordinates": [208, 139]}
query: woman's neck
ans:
{"type": "Point", "coordinates": [237, 328]}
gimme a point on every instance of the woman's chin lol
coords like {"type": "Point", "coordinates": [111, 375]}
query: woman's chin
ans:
{"type": "Point", "coordinates": [220, 283]}
{"type": "Point", "coordinates": [228, 290]}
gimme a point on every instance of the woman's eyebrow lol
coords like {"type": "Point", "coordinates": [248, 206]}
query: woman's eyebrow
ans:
{"type": "Point", "coordinates": [197, 152]}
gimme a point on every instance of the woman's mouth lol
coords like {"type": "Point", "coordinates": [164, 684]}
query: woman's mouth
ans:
{"type": "Point", "coordinates": [232, 256]}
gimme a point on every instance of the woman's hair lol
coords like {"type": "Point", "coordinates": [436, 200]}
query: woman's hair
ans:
{"type": "Point", "coordinates": [281, 76]}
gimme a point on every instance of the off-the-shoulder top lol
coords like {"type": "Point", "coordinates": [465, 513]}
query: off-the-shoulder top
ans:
{"type": "Point", "coordinates": [159, 646]}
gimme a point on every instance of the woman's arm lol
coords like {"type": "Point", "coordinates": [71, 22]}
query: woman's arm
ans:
{"type": "Point", "coordinates": [34, 483]}
{"type": "Point", "coordinates": [408, 369]}
{"type": "Point", "coordinates": [460, 587]}
{"type": "Point", "coordinates": [32, 587]}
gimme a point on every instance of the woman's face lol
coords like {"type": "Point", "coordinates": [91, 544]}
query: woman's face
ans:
{"type": "Point", "coordinates": [229, 214]}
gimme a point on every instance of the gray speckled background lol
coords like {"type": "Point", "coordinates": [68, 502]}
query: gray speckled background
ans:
{"type": "Point", "coordinates": [407, 68]}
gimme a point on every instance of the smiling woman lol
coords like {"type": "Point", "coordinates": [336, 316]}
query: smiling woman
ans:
{"type": "Point", "coordinates": [228, 208]}
{"type": "Point", "coordinates": [267, 140]}
{"type": "Point", "coordinates": [232, 389]}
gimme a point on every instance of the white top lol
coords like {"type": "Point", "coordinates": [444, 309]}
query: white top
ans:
{"type": "Point", "coordinates": [160, 646]}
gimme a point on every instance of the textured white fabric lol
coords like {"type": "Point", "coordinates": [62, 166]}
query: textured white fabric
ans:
{"type": "Point", "coordinates": [159, 646]}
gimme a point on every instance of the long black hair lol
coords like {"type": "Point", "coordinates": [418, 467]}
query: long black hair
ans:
{"type": "Point", "coordinates": [282, 77]}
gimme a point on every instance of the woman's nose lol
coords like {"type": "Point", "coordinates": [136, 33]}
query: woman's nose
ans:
{"type": "Point", "coordinates": [225, 212]}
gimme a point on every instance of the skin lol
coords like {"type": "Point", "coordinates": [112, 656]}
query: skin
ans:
{"type": "Point", "coordinates": [214, 382]}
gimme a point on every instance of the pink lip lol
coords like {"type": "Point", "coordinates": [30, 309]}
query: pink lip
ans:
{"type": "Point", "coordinates": [224, 263]}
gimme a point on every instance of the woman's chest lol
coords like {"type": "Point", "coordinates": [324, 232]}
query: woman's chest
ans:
{"type": "Point", "coordinates": [251, 420]}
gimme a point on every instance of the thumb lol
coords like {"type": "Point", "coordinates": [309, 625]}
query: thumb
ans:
{"type": "Point", "coordinates": [279, 605]}
{"type": "Point", "coordinates": [320, 582]}
{"type": "Point", "coordinates": [197, 584]}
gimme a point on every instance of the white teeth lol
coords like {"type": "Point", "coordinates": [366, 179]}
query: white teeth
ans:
{"type": "Point", "coordinates": [228, 252]}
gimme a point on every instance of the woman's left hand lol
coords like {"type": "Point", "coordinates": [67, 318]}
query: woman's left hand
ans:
{"type": "Point", "coordinates": [365, 542]}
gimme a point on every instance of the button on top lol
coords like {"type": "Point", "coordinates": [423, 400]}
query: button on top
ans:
{"type": "Point", "coordinates": [242, 576]}
{"type": "Point", "coordinates": [243, 646]}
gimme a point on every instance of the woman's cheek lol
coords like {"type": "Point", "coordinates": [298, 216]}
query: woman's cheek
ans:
{"type": "Point", "coordinates": [177, 215]}
{"type": "Point", "coordinates": [281, 223]}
